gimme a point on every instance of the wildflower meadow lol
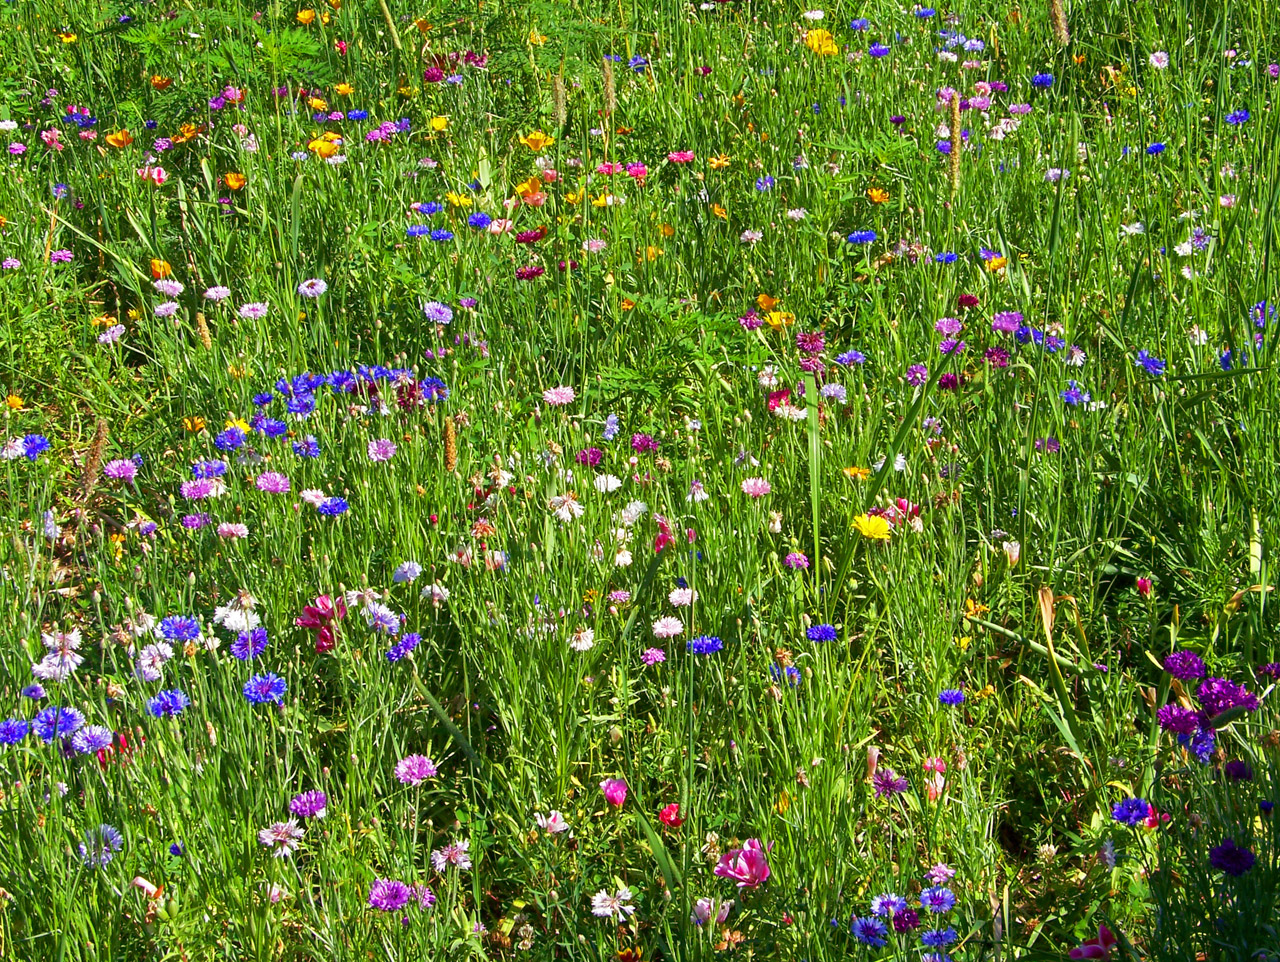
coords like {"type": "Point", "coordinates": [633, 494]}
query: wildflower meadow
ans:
{"type": "Point", "coordinates": [639, 481]}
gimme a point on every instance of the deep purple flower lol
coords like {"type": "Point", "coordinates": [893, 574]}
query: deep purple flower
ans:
{"type": "Point", "coordinates": [1231, 858]}
{"type": "Point", "coordinates": [1217, 695]}
{"type": "Point", "coordinates": [309, 804]}
{"type": "Point", "coordinates": [1179, 720]}
{"type": "Point", "coordinates": [1238, 771]}
{"type": "Point", "coordinates": [389, 895]}
{"type": "Point", "coordinates": [887, 782]}
{"type": "Point", "coordinates": [1184, 665]}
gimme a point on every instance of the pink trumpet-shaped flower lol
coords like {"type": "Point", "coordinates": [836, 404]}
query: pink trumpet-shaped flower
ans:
{"type": "Point", "coordinates": [747, 865]}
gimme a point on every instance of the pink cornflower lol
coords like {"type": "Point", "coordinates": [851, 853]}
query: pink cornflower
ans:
{"type": "Point", "coordinates": [415, 769]}
{"type": "Point", "coordinates": [229, 530]}
{"type": "Point", "coordinates": [680, 156]}
{"type": "Point", "coordinates": [122, 469]}
{"type": "Point", "coordinates": [667, 627]}
{"type": "Point", "coordinates": [281, 837]}
{"type": "Point", "coordinates": [381, 449]}
{"type": "Point", "coordinates": [652, 656]}
{"type": "Point", "coordinates": [452, 855]}
{"type": "Point", "coordinates": [558, 396]}
{"type": "Point", "coordinates": [756, 487]}
{"type": "Point", "coordinates": [273, 482]}
{"type": "Point", "coordinates": [796, 560]}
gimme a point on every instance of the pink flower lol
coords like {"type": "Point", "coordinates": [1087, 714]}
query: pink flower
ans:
{"type": "Point", "coordinates": [680, 156]}
{"type": "Point", "coordinates": [652, 656]}
{"type": "Point", "coordinates": [638, 171]}
{"type": "Point", "coordinates": [1099, 948]}
{"type": "Point", "coordinates": [747, 865]}
{"type": "Point", "coordinates": [51, 138]}
{"type": "Point", "coordinates": [318, 617]}
{"type": "Point", "coordinates": [500, 225]}
{"type": "Point", "coordinates": [1144, 587]}
{"type": "Point", "coordinates": [157, 175]}
{"type": "Point", "coordinates": [756, 487]}
{"type": "Point", "coordinates": [615, 791]}
{"type": "Point", "coordinates": [381, 450]}
{"type": "Point", "coordinates": [229, 530]}
{"type": "Point", "coordinates": [558, 396]}
{"type": "Point", "coordinates": [415, 769]}
{"type": "Point", "coordinates": [609, 167]}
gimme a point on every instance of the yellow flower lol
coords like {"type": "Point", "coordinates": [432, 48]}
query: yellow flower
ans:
{"type": "Point", "coordinates": [972, 608]}
{"type": "Point", "coordinates": [856, 473]}
{"type": "Point", "coordinates": [102, 320]}
{"type": "Point", "coordinates": [439, 123]}
{"type": "Point", "coordinates": [783, 803]}
{"type": "Point", "coordinates": [652, 253]}
{"type": "Point", "coordinates": [344, 89]}
{"type": "Point", "coordinates": [317, 103]}
{"type": "Point", "coordinates": [877, 195]}
{"type": "Point", "coordinates": [14, 402]}
{"type": "Point", "coordinates": [765, 302]}
{"type": "Point", "coordinates": [323, 148]}
{"type": "Point", "coordinates": [996, 263]}
{"type": "Point", "coordinates": [240, 423]}
{"type": "Point", "coordinates": [306, 17]}
{"type": "Point", "coordinates": [160, 83]}
{"type": "Point", "coordinates": [193, 424]}
{"type": "Point", "coordinates": [537, 141]}
{"type": "Point", "coordinates": [963, 642]}
{"type": "Point", "coordinates": [235, 181]}
{"type": "Point", "coordinates": [236, 370]}
{"type": "Point", "coordinates": [871, 526]}
{"type": "Point", "coordinates": [185, 133]}
{"type": "Point", "coordinates": [627, 303]}
{"type": "Point", "coordinates": [160, 269]}
{"type": "Point", "coordinates": [67, 37]}
{"type": "Point", "coordinates": [457, 200]}
{"type": "Point", "coordinates": [422, 24]}
{"type": "Point", "coordinates": [120, 139]}
{"type": "Point", "coordinates": [667, 230]}
{"type": "Point", "coordinates": [984, 693]}
{"type": "Point", "coordinates": [821, 42]}
{"type": "Point", "coordinates": [777, 320]}
{"type": "Point", "coordinates": [719, 212]}
{"type": "Point", "coordinates": [719, 162]}
{"type": "Point", "coordinates": [575, 197]}
{"type": "Point", "coordinates": [536, 38]}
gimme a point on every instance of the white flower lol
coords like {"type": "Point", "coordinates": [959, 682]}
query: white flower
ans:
{"type": "Point", "coordinates": [1012, 552]}
{"type": "Point", "coordinates": [1184, 249]}
{"type": "Point", "coordinates": [667, 627]}
{"type": "Point", "coordinates": [623, 558]}
{"type": "Point", "coordinates": [633, 512]}
{"type": "Point", "coordinates": [552, 824]}
{"type": "Point", "coordinates": [566, 506]}
{"type": "Point", "coordinates": [606, 906]}
{"type": "Point", "coordinates": [768, 377]}
{"type": "Point", "coordinates": [582, 639]}
{"type": "Point", "coordinates": [751, 236]}
{"type": "Point", "coordinates": [437, 594]}
{"type": "Point", "coordinates": [682, 597]}
{"type": "Point", "coordinates": [1130, 230]}
{"type": "Point", "coordinates": [1159, 60]}
{"type": "Point", "coordinates": [235, 619]}
{"type": "Point", "coordinates": [607, 483]}
{"type": "Point", "coordinates": [313, 497]}
{"type": "Point", "coordinates": [281, 837]}
{"type": "Point", "coordinates": [1198, 335]}
{"type": "Point", "coordinates": [813, 15]}
{"type": "Point", "coordinates": [797, 213]}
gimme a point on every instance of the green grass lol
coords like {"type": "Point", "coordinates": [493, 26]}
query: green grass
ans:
{"type": "Point", "coordinates": [1167, 476]}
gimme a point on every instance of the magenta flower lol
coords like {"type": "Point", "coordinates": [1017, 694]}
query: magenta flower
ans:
{"type": "Point", "coordinates": [747, 865]}
{"type": "Point", "coordinates": [381, 449]}
{"type": "Point", "coordinates": [415, 769]}
{"type": "Point", "coordinates": [615, 791]}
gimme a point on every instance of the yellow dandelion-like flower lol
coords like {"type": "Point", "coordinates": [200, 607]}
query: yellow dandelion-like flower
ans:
{"type": "Point", "coordinates": [872, 526]}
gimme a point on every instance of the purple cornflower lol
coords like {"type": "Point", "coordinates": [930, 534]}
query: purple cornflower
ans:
{"type": "Point", "coordinates": [273, 482]}
{"type": "Point", "coordinates": [811, 342]}
{"type": "Point", "coordinates": [389, 895]}
{"type": "Point", "coordinates": [1217, 695]}
{"type": "Point", "coordinates": [415, 769]}
{"type": "Point", "coordinates": [1179, 720]}
{"type": "Point", "coordinates": [309, 804]}
{"type": "Point", "coordinates": [1231, 858]}
{"type": "Point", "coordinates": [1184, 665]}
{"type": "Point", "coordinates": [249, 644]}
{"type": "Point", "coordinates": [640, 443]}
{"type": "Point", "coordinates": [796, 560]}
{"type": "Point", "coordinates": [887, 782]}
{"type": "Point", "coordinates": [1131, 811]}
{"type": "Point", "coordinates": [653, 656]}
{"type": "Point", "coordinates": [908, 920]}
{"type": "Point", "coordinates": [917, 374]}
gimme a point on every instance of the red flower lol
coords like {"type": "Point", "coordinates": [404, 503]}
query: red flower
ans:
{"type": "Point", "coordinates": [670, 816]}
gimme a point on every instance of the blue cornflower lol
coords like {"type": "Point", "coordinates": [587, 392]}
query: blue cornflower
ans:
{"type": "Point", "coordinates": [862, 237]}
{"type": "Point", "coordinates": [611, 427]}
{"type": "Point", "coordinates": [273, 428]}
{"type": "Point", "coordinates": [613, 57]}
{"type": "Point", "coordinates": [308, 447]}
{"type": "Point", "coordinates": [924, 13]}
{"type": "Point", "coordinates": [637, 63]}
{"type": "Point", "coordinates": [61, 190]}
{"type": "Point", "coordinates": [974, 45]}
{"type": "Point", "coordinates": [229, 440]}
{"type": "Point", "coordinates": [938, 899]}
{"type": "Point", "coordinates": [1154, 149]}
{"type": "Point", "coordinates": [1074, 395]}
{"type": "Point", "coordinates": [404, 646]}
{"type": "Point", "coordinates": [263, 399]}
{"type": "Point", "coordinates": [1224, 360]}
{"type": "Point", "coordinates": [357, 114]}
{"type": "Point", "coordinates": [1152, 365]}
{"type": "Point", "coordinates": [55, 722]}
{"type": "Point", "coordinates": [34, 445]}
{"type": "Point", "coordinates": [878, 50]}
{"type": "Point", "coordinates": [1261, 313]}
{"type": "Point", "coordinates": [862, 23]}
{"type": "Point", "coordinates": [951, 697]}
{"type": "Point", "coordinates": [417, 230]}
{"type": "Point", "coordinates": [430, 208]}
{"type": "Point", "coordinates": [440, 235]}
{"type": "Point", "coordinates": [34, 691]}
{"type": "Point", "coordinates": [1237, 117]}
{"type": "Point", "coordinates": [790, 674]}
{"type": "Point", "coordinates": [821, 633]}
{"type": "Point", "coordinates": [870, 931]}
{"type": "Point", "coordinates": [92, 739]}
{"type": "Point", "coordinates": [1131, 812]}
{"type": "Point", "coordinates": [1042, 80]}
{"type": "Point", "coordinates": [433, 389]}
{"type": "Point", "coordinates": [705, 645]}
{"type": "Point", "coordinates": [764, 183]}
{"type": "Point", "coordinates": [850, 358]}
{"type": "Point", "coordinates": [342, 382]}
{"type": "Point", "coordinates": [13, 730]}
{"type": "Point", "coordinates": [479, 220]}
{"type": "Point", "coordinates": [168, 703]}
{"type": "Point", "coordinates": [179, 628]}
{"type": "Point", "coordinates": [938, 938]}
{"type": "Point", "coordinates": [946, 257]}
{"type": "Point", "coordinates": [888, 904]}
{"type": "Point", "coordinates": [1202, 744]}
{"type": "Point", "coordinates": [332, 507]}
{"type": "Point", "coordinates": [249, 644]}
{"type": "Point", "coordinates": [100, 845]}
{"type": "Point", "coordinates": [176, 850]}
{"type": "Point", "coordinates": [302, 405]}
{"type": "Point", "coordinates": [208, 469]}
{"type": "Point", "coordinates": [406, 571]}
{"type": "Point", "coordinates": [261, 689]}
